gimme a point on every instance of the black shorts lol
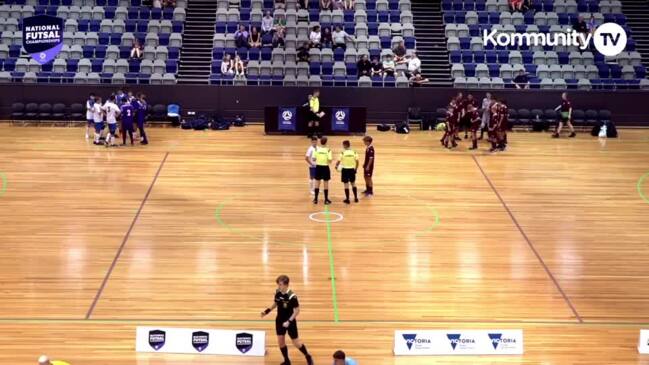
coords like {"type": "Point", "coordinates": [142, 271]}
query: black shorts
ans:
{"type": "Point", "coordinates": [348, 176]}
{"type": "Point", "coordinates": [369, 172]}
{"type": "Point", "coordinates": [322, 173]}
{"type": "Point", "coordinates": [281, 331]}
{"type": "Point", "coordinates": [313, 117]}
{"type": "Point", "coordinates": [564, 120]}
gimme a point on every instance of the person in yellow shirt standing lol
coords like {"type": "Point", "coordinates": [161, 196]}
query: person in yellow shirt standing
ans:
{"type": "Point", "coordinates": [314, 113]}
{"type": "Point", "coordinates": [323, 158]}
{"type": "Point", "coordinates": [349, 160]}
{"type": "Point", "coordinates": [44, 360]}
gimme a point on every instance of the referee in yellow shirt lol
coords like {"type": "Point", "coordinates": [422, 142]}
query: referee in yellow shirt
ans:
{"type": "Point", "coordinates": [323, 158]}
{"type": "Point", "coordinates": [349, 160]}
{"type": "Point", "coordinates": [44, 360]}
{"type": "Point", "coordinates": [314, 113]}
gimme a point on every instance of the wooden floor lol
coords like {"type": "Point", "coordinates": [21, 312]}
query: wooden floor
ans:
{"type": "Point", "coordinates": [550, 237]}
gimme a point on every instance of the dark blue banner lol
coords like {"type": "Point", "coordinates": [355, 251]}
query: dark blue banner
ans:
{"type": "Point", "coordinates": [43, 37]}
{"type": "Point", "coordinates": [287, 119]}
{"type": "Point", "coordinates": [340, 119]}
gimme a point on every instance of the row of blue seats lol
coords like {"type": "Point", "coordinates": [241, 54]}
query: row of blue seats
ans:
{"type": "Point", "coordinates": [476, 30]}
{"type": "Point", "coordinates": [315, 4]}
{"type": "Point", "coordinates": [265, 54]}
{"type": "Point", "coordinates": [315, 68]}
{"type": "Point", "coordinates": [606, 71]}
{"type": "Point", "coordinates": [548, 5]}
{"type": "Point", "coordinates": [373, 16]}
{"type": "Point", "coordinates": [68, 77]}
{"type": "Point", "coordinates": [115, 39]}
{"type": "Point", "coordinates": [503, 57]}
{"type": "Point", "coordinates": [72, 65]}
{"type": "Point", "coordinates": [465, 44]}
{"type": "Point", "coordinates": [142, 12]}
{"type": "Point", "coordinates": [69, 2]}
{"type": "Point", "coordinates": [492, 17]}
{"type": "Point", "coordinates": [351, 81]}
{"type": "Point", "coordinates": [132, 26]}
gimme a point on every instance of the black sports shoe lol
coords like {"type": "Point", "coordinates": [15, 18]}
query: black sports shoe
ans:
{"type": "Point", "coordinates": [473, 148]}
{"type": "Point", "coordinates": [286, 363]}
{"type": "Point", "coordinates": [572, 135]}
{"type": "Point", "coordinates": [355, 200]}
{"type": "Point", "coordinates": [346, 201]}
{"type": "Point", "coordinates": [555, 135]}
{"type": "Point", "coordinates": [315, 201]}
{"type": "Point", "coordinates": [327, 202]}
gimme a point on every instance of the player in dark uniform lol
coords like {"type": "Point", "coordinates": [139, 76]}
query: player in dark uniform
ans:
{"type": "Point", "coordinates": [288, 308]}
{"type": "Point", "coordinates": [465, 121]}
{"type": "Point", "coordinates": [368, 166]}
{"type": "Point", "coordinates": [474, 119]}
{"type": "Point", "coordinates": [452, 119]}
{"type": "Point", "coordinates": [128, 117]}
{"type": "Point", "coordinates": [503, 125]}
{"type": "Point", "coordinates": [140, 106]}
{"type": "Point", "coordinates": [494, 124]}
{"type": "Point", "coordinates": [566, 116]}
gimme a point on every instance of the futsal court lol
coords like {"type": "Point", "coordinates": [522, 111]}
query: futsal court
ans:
{"type": "Point", "coordinates": [549, 237]}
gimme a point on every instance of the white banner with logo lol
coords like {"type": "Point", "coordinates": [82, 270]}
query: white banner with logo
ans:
{"type": "Point", "coordinates": [460, 342]}
{"type": "Point", "coordinates": [643, 345]}
{"type": "Point", "coordinates": [200, 341]}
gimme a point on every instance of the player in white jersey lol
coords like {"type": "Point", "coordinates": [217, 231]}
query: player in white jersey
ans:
{"type": "Point", "coordinates": [98, 118]}
{"type": "Point", "coordinates": [90, 121]}
{"type": "Point", "coordinates": [309, 157]}
{"type": "Point", "coordinates": [112, 111]}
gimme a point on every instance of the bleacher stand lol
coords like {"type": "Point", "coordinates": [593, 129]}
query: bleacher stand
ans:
{"type": "Point", "coordinates": [98, 38]}
{"type": "Point", "coordinates": [375, 27]}
{"type": "Point", "coordinates": [474, 65]}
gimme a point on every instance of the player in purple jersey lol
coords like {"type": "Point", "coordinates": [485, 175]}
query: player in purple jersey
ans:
{"type": "Point", "coordinates": [128, 117]}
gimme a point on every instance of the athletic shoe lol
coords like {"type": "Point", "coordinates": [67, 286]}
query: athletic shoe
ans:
{"type": "Point", "coordinates": [364, 192]}
{"type": "Point", "coordinates": [311, 192]}
{"type": "Point", "coordinates": [87, 136]}
{"type": "Point", "coordinates": [572, 135]}
{"type": "Point", "coordinates": [315, 201]}
{"type": "Point", "coordinates": [286, 363]}
{"type": "Point", "coordinates": [144, 142]}
{"type": "Point", "coordinates": [327, 202]}
{"type": "Point", "coordinates": [473, 148]}
{"type": "Point", "coordinates": [346, 201]}
{"type": "Point", "coordinates": [555, 135]}
{"type": "Point", "coordinates": [355, 200]}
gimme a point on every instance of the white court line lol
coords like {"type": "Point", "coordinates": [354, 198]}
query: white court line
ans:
{"type": "Point", "coordinates": [313, 218]}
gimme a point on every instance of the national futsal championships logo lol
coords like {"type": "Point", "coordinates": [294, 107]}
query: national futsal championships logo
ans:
{"type": "Point", "coordinates": [609, 39]}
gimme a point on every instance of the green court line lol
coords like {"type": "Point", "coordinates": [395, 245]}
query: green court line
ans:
{"type": "Point", "coordinates": [331, 266]}
{"type": "Point", "coordinates": [3, 186]}
{"type": "Point", "coordinates": [639, 187]}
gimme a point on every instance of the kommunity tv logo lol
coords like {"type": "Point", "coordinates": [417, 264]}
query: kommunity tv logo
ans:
{"type": "Point", "coordinates": [609, 39]}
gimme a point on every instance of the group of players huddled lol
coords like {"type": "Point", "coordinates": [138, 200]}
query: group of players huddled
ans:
{"type": "Point", "coordinates": [129, 109]}
{"type": "Point", "coordinates": [463, 114]}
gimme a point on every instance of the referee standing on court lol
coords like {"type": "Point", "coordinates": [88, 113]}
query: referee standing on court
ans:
{"type": "Point", "coordinates": [314, 113]}
{"type": "Point", "coordinates": [288, 309]}
{"type": "Point", "coordinates": [323, 157]}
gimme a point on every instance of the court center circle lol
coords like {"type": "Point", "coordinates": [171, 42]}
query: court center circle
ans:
{"type": "Point", "coordinates": [338, 216]}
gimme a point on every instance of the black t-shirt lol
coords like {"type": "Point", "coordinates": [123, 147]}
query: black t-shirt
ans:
{"type": "Point", "coordinates": [285, 304]}
{"type": "Point", "coordinates": [580, 26]}
{"type": "Point", "coordinates": [377, 67]}
{"type": "Point", "coordinates": [521, 79]}
{"type": "Point", "coordinates": [364, 67]}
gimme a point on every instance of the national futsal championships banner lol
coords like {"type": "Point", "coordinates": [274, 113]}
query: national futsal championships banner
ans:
{"type": "Point", "coordinates": [340, 119]}
{"type": "Point", "coordinates": [287, 119]}
{"type": "Point", "coordinates": [43, 37]}
{"type": "Point", "coordinates": [200, 341]}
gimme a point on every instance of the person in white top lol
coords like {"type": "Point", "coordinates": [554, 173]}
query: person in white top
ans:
{"type": "Point", "coordinates": [414, 64]}
{"type": "Point", "coordinates": [97, 117]}
{"type": "Point", "coordinates": [309, 157]}
{"type": "Point", "coordinates": [227, 65]}
{"type": "Point", "coordinates": [315, 37]}
{"type": "Point", "coordinates": [112, 111]}
{"type": "Point", "coordinates": [90, 122]}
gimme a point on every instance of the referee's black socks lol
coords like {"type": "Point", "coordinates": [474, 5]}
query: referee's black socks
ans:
{"type": "Point", "coordinates": [346, 194]}
{"type": "Point", "coordinates": [326, 192]}
{"type": "Point", "coordinates": [355, 193]}
{"type": "Point", "coordinates": [304, 351]}
{"type": "Point", "coordinates": [284, 351]}
{"type": "Point", "coordinates": [317, 192]}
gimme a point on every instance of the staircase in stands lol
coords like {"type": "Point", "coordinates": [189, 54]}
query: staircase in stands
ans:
{"type": "Point", "coordinates": [431, 42]}
{"type": "Point", "coordinates": [196, 53]}
{"type": "Point", "coordinates": [637, 13]}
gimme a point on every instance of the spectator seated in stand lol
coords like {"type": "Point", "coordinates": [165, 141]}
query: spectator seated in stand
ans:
{"type": "Point", "coordinates": [239, 67]}
{"type": "Point", "coordinates": [227, 65]}
{"type": "Point", "coordinates": [267, 23]}
{"type": "Point", "coordinates": [388, 66]}
{"type": "Point", "coordinates": [364, 66]}
{"type": "Point", "coordinates": [136, 50]}
{"type": "Point", "coordinates": [315, 37]}
{"type": "Point", "coordinates": [327, 39]}
{"type": "Point", "coordinates": [522, 81]}
{"type": "Point", "coordinates": [377, 67]}
{"type": "Point", "coordinates": [303, 53]}
{"type": "Point", "coordinates": [241, 37]}
{"type": "Point", "coordinates": [326, 5]}
{"type": "Point", "coordinates": [340, 38]}
{"type": "Point", "coordinates": [400, 53]}
{"type": "Point", "coordinates": [414, 64]}
{"type": "Point", "coordinates": [416, 80]}
{"type": "Point", "coordinates": [255, 38]}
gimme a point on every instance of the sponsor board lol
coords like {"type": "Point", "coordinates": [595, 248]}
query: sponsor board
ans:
{"type": "Point", "coordinates": [200, 341]}
{"type": "Point", "coordinates": [458, 342]}
{"type": "Point", "coordinates": [643, 345]}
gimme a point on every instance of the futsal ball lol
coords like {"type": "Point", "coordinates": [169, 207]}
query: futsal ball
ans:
{"type": "Point", "coordinates": [440, 127]}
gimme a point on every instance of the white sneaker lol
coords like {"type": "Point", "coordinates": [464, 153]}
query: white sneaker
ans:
{"type": "Point", "coordinates": [312, 192]}
{"type": "Point", "coordinates": [87, 136]}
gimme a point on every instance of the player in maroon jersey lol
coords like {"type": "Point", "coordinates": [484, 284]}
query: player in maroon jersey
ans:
{"type": "Point", "coordinates": [474, 119]}
{"type": "Point", "coordinates": [494, 125]}
{"type": "Point", "coordinates": [465, 122]}
{"type": "Point", "coordinates": [460, 102]}
{"type": "Point", "coordinates": [566, 116]}
{"type": "Point", "coordinates": [503, 125]}
{"type": "Point", "coordinates": [452, 119]}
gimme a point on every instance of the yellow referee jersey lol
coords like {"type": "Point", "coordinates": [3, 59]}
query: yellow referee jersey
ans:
{"type": "Point", "coordinates": [323, 156]}
{"type": "Point", "coordinates": [314, 104]}
{"type": "Point", "coordinates": [348, 159]}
